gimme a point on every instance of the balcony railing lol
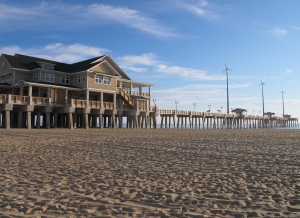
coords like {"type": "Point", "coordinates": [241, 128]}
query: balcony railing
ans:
{"type": "Point", "coordinates": [3, 98]}
{"type": "Point", "coordinates": [18, 99]}
{"type": "Point", "coordinates": [40, 101]}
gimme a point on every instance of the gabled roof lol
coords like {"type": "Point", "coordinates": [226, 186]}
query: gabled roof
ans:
{"type": "Point", "coordinates": [24, 62]}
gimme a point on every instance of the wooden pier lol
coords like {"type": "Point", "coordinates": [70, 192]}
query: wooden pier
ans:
{"type": "Point", "coordinates": [208, 120]}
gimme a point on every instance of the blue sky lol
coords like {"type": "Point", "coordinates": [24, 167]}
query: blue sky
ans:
{"type": "Point", "coordinates": [180, 46]}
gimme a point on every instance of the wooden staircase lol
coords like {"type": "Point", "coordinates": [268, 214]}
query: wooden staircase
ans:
{"type": "Point", "coordinates": [125, 97]}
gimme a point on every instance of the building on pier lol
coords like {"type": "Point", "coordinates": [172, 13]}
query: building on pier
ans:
{"type": "Point", "coordinates": [36, 92]}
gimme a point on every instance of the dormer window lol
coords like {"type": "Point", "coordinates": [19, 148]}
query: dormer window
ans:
{"type": "Point", "coordinates": [47, 66]}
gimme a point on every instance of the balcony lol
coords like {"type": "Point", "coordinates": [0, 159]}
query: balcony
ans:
{"type": "Point", "coordinates": [41, 101]}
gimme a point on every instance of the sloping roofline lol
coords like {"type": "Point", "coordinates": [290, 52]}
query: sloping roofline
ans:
{"type": "Point", "coordinates": [25, 62]}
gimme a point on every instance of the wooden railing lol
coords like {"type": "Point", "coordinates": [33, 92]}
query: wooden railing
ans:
{"type": "Point", "coordinates": [108, 105]}
{"type": "Point", "coordinates": [79, 103]}
{"type": "Point", "coordinates": [3, 98]}
{"type": "Point", "coordinates": [40, 101]}
{"type": "Point", "coordinates": [18, 99]}
{"type": "Point", "coordinates": [125, 96]}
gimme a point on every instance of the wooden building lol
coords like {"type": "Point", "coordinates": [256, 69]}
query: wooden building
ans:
{"type": "Point", "coordinates": [36, 92]}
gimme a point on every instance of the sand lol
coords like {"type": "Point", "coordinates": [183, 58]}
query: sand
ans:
{"type": "Point", "coordinates": [149, 173]}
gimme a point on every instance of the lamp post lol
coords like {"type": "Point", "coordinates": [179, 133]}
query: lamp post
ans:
{"type": "Point", "coordinates": [282, 101]}
{"type": "Point", "coordinates": [253, 112]}
{"type": "Point", "coordinates": [194, 104]}
{"type": "Point", "coordinates": [154, 102]}
{"type": "Point", "coordinates": [176, 102]}
{"type": "Point", "coordinates": [259, 113]}
{"type": "Point", "coordinates": [209, 107]}
{"type": "Point", "coordinates": [221, 108]}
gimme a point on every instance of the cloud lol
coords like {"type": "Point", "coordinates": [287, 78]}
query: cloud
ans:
{"type": "Point", "coordinates": [288, 72]}
{"type": "Point", "coordinates": [200, 8]}
{"type": "Point", "coordinates": [129, 17]}
{"type": "Point", "coordinates": [279, 32]}
{"type": "Point", "coordinates": [296, 27]}
{"type": "Point", "coordinates": [58, 52]}
{"type": "Point", "coordinates": [201, 94]}
{"type": "Point", "coordinates": [146, 61]}
{"type": "Point", "coordinates": [187, 73]}
{"type": "Point", "coordinates": [62, 15]}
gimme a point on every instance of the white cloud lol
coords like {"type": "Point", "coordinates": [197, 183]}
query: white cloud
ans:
{"type": "Point", "coordinates": [138, 63]}
{"type": "Point", "coordinates": [129, 17]}
{"type": "Point", "coordinates": [187, 73]}
{"type": "Point", "coordinates": [279, 32]}
{"type": "Point", "coordinates": [200, 8]}
{"type": "Point", "coordinates": [58, 52]}
{"type": "Point", "coordinates": [47, 15]}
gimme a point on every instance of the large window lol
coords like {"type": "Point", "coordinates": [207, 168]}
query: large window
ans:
{"type": "Point", "coordinates": [78, 79]}
{"type": "Point", "coordinates": [35, 77]}
{"type": "Point", "coordinates": [65, 80]}
{"type": "Point", "coordinates": [49, 77]}
{"type": "Point", "coordinates": [83, 78]}
{"type": "Point", "coordinates": [106, 80]}
{"type": "Point", "coordinates": [98, 79]}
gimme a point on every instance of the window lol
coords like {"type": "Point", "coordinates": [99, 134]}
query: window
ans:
{"type": "Point", "coordinates": [48, 66]}
{"type": "Point", "coordinates": [65, 80]}
{"type": "Point", "coordinates": [98, 79]}
{"type": "Point", "coordinates": [35, 77]}
{"type": "Point", "coordinates": [2, 79]}
{"type": "Point", "coordinates": [49, 77]}
{"type": "Point", "coordinates": [107, 80]}
{"type": "Point", "coordinates": [83, 78]}
{"type": "Point", "coordinates": [78, 79]}
{"type": "Point", "coordinates": [8, 77]}
{"type": "Point", "coordinates": [3, 65]}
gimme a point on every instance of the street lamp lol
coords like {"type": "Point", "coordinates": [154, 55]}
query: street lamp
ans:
{"type": "Point", "coordinates": [259, 113]}
{"type": "Point", "coordinates": [282, 92]}
{"type": "Point", "coordinates": [154, 102]}
{"type": "Point", "coordinates": [194, 104]}
{"type": "Point", "coordinates": [209, 107]}
{"type": "Point", "coordinates": [176, 102]}
{"type": "Point", "coordinates": [253, 112]}
{"type": "Point", "coordinates": [221, 108]}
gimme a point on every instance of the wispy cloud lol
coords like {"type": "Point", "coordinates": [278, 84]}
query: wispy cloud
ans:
{"type": "Point", "coordinates": [138, 63]}
{"type": "Point", "coordinates": [296, 27]}
{"type": "Point", "coordinates": [201, 8]}
{"type": "Point", "coordinates": [202, 94]}
{"type": "Point", "coordinates": [276, 31]}
{"type": "Point", "coordinates": [144, 62]}
{"type": "Point", "coordinates": [288, 72]}
{"type": "Point", "coordinates": [131, 18]}
{"type": "Point", "coordinates": [187, 73]}
{"type": "Point", "coordinates": [62, 15]}
{"type": "Point", "coordinates": [58, 51]}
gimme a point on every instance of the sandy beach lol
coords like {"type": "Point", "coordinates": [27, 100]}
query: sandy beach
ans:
{"type": "Point", "coordinates": [149, 173]}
